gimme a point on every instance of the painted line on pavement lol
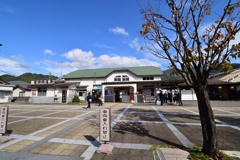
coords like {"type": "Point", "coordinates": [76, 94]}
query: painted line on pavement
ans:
{"type": "Point", "coordinates": [189, 110]}
{"type": "Point", "coordinates": [234, 113]}
{"type": "Point", "coordinates": [175, 131]}
{"type": "Point", "coordinates": [39, 131]}
{"type": "Point", "coordinates": [216, 120]}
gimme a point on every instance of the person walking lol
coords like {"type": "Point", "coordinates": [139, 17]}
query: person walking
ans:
{"type": "Point", "coordinates": [89, 100]}
{"type": "Point", "coordinates": [100, 100]}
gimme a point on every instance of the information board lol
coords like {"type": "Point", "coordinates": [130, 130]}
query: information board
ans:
{"type": "Point", "coordinates": [105, 125]}
{"type": "Point", "coordinates": [3, 119]}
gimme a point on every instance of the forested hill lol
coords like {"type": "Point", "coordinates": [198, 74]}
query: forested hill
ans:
{"type": "Point", "coordinates": [27, 77]}
{"type": "Point", "coordinates": [234, 65]}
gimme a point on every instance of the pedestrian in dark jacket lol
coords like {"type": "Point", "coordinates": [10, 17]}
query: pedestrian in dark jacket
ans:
{"type": "Point", "coordinates": [161, 97]}
{"type": "Point", "coordinates": [179, 99]}
{"type": "Point", "coordinates": [170, 96]}
{"type": "Point", "coordinates": [89, 100]}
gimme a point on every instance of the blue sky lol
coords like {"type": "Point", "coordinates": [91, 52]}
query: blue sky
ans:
{"type": "Point", "coordinates": [60, 36]}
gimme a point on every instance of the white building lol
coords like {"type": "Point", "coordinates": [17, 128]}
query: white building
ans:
{"type": "Point", "coordinates": [124, 84]}
{"type": "Point", "coordinates": [48, 91]}
{"type": "Point", "coordinates": [6, 91]}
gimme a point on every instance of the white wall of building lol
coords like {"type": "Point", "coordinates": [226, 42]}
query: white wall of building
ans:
{"type": "Point", "coordinates": [51, 92]}
{"type": "Point", "coordinates": [6, 93]}
{"type": "Point", "coordinates": [188, 94]}
{"type": "Point", "coordinates": [16, 92]}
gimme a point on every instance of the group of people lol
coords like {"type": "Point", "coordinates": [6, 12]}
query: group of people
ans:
{"type": "Point", "coordinates": [175, 98]}
{"type": "Point", "coordinates": [89, 101]}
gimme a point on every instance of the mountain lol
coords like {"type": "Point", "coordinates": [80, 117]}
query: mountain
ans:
{"type": "Point", "coordinates": [167, 74]}
{"type": "Point", "coordinates": [27, 77]}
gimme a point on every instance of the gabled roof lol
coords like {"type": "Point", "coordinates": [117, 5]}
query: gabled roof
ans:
{"type": "Point", "coordinates": [104, 72]}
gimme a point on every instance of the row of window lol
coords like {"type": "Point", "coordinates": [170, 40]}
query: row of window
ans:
{"type": "Point", "coordinates": [126, 78]}
{"type": "Point", "coordinates": [121, 78]}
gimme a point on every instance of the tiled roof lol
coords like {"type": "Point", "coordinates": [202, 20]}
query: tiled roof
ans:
{"type": "Point", "coordinates": [104, 72]}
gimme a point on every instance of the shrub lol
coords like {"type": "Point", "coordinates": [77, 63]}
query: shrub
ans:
{"type": "Point", "coordinates": [75, 99]}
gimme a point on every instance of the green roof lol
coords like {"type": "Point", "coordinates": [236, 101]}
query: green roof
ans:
{"type": "Point", "coordinates": [104, 72]}
{"type": "Point", "coordinates": [17, 82]}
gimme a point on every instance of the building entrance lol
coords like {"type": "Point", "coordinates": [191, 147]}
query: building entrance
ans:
{"type": "Point", "coordinates": [122, 94]}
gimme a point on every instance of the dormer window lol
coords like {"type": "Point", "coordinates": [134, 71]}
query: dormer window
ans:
{"type": "Point", "coordinates": [121, 78]}
{"type": "Point", "coordinates": [125, 78]}
{"type": "Point", "coordinates": [117, 78]}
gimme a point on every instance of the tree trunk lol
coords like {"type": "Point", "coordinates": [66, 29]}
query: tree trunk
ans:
{"type": "Point", "coordinates": [206, 115]}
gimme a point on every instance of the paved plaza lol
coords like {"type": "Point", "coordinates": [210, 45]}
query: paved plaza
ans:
{"type": "Point", "coordinates": [70, 132]}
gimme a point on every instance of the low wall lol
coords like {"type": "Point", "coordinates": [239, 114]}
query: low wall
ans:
{"type": "Point", "coordinates": [42, 100]}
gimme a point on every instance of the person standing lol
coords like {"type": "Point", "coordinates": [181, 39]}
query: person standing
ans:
{"type": "Point", "coordinates": [179, 98]}
{"type": "Point", "coordinates": [170, 97]}
{"type": "Point", "coordinates": [165, 97]}
{"type": "Point", "coordinates": [89, 100]}
{"type": "Point", "coordinates": [161, 97]}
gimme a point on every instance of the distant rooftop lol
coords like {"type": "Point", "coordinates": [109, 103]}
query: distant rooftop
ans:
{"type": "Point", "coordinates": [17, 82]}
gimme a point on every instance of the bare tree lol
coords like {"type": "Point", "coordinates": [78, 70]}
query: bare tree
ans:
{"type": "Point", "coordinates": [193, 52]}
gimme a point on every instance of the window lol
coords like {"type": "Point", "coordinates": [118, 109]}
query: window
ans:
{"type": "Point", "coordinates": [82, 92]}
{"type": "Point", "coordinates": [117, 78]}
{"type": "Point", "coordinates": [21, 94]}
{"type": "Point", "coordinates": [108, 92]}
{"type": "Point", "coordinates": [42, 92]}
{"type": "Point", "coordinates": [125, 78]}
{"type": "Point", "coordinates": [148, 78]}
{"type": "Point", "coordinates": [121, 78]}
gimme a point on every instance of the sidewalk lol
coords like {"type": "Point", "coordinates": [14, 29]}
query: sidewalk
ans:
{"type": "Point", "coordinates": [69, 132]}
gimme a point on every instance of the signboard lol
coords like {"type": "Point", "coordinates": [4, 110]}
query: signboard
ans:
{"type": "Point", "coordinates": [105, 125]}
{"type": "Point", "coordinates": [3, 119]}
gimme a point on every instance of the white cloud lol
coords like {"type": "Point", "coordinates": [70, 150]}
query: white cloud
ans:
{"type": "Point", "coordinates": [74, 59]}
{"type": "Point", "coordinates": [135, 44]}
{"type": "Point", "coordinates": [49, 52]}
{"type": "Point", "coordinates": [105, 61]}
{"type": "Point", "coordinates": [80, 58]}
{"type": "Point", "coordinates": [103, 46]}
{"type": "Point", "coordinates": [12, 67]}
{"type": "Point", "coordinates": [118, 30]}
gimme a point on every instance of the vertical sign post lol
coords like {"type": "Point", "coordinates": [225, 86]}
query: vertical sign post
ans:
{"type": "Point", "coordinates": [105, 125]}
{"type": "Point", "coordinates": [3, 119]}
